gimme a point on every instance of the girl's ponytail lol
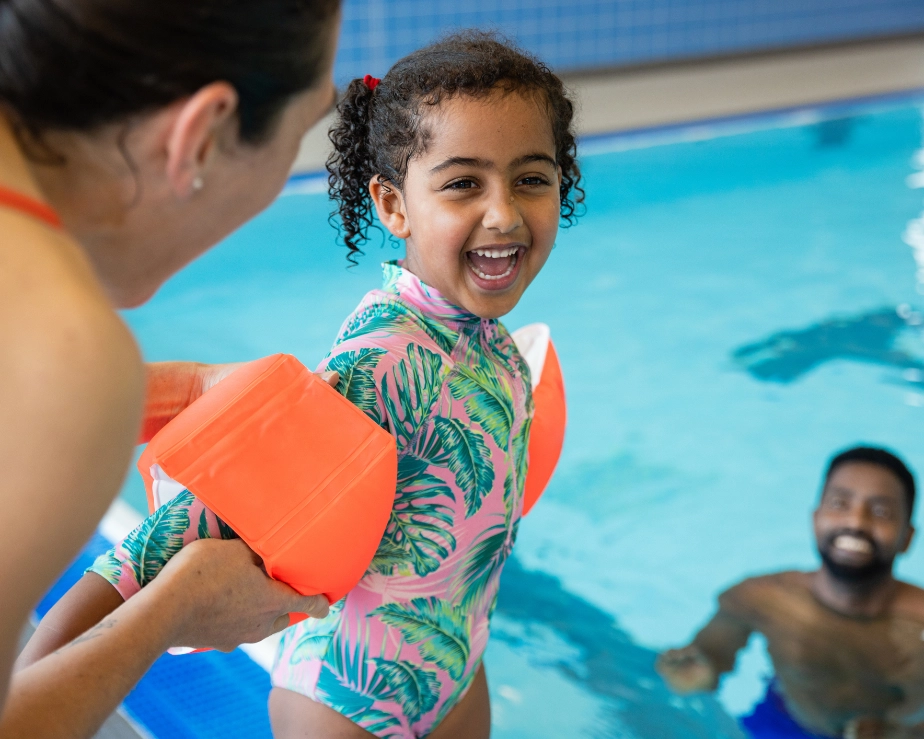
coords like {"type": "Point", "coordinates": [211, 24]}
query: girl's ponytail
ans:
{"type": "Point", "coordinates": [351, 165]}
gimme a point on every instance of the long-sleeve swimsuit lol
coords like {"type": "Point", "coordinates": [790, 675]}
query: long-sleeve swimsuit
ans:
{"type": "Point", "coordinates": [401, 649]}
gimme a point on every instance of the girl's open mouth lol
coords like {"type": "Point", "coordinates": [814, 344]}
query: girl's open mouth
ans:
{"type": "Point", "coordinates": [495, 267]}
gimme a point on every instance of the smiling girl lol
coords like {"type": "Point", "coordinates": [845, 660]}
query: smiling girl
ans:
{"type": "Point", "coordinates": [465, 152]}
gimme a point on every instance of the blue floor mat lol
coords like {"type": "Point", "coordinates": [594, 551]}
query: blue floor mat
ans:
{"type": "Point", "coordinates": [196, 696]}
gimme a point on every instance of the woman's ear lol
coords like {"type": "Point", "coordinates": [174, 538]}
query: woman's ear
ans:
{"type": "Point", "coordinates": [389, 206]}
{"type": "Point", "coordinates": [200, 123]}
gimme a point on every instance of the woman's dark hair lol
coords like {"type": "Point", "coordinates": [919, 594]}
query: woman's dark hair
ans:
{"type": "Point", "coordinates": [379, 131]}
{"type": "Point", "coordinates": [80, 64]}
{"type": "Point", "coordinates": [880, 458]}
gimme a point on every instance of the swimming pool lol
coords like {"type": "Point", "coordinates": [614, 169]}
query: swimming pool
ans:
{"type": "Point", "coordinates": [739, 301]}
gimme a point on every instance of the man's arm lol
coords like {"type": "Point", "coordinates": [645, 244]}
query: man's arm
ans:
{"type": "Point", "coordinates": [698, 666]}
{"type": "Point", "coordinates": [212, 594]}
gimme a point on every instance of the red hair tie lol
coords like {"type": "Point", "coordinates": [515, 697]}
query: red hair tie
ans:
{"type": "Point", "coordinates": [371, 82]}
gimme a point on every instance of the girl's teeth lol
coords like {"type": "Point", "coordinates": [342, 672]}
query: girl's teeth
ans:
{"type": "Point", "coordinates": [483, 276]}
{"type": "Point", "coordinates": [496, 254]}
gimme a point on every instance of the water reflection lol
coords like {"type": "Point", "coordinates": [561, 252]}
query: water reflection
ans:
{"type": "Point", "coordinates": [601, 658]}
{"type": "Point", "coordinates": [874, 337]}
{"type": "Point", "coordinates": [834, 132]}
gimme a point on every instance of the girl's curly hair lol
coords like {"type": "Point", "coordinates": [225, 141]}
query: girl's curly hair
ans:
{"type": "Point", "coordinates": [379, 131]}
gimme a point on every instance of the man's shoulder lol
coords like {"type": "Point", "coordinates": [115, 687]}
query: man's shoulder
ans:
{"type": "Point", "coordinates": [754, 590]}
{"type": "Point", "coordinates": [909, 601]}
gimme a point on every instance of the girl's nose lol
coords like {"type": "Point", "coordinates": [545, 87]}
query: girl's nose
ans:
{"type": "Point", "coordinates": [503, 213]}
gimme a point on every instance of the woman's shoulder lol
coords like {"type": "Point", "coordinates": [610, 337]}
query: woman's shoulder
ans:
{"type": "Point", "coordinates": [59, 331]}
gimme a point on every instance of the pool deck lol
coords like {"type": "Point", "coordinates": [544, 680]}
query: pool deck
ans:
{"type": "Point", "coordinates": [661, 95]}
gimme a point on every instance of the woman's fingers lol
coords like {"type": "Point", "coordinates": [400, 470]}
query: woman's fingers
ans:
{"type": "Point", "coordinates": [212, 374]}
{"type": "Point", "coordinates": [315, 606]}
{"type": "Point", "coordinates": [220, 597]}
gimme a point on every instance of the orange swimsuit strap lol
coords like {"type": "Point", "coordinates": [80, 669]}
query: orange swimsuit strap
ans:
{"type": "Point", "coordinates": [30, 206]}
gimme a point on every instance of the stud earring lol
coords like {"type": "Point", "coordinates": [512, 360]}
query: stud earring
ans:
{"type": "Point", "coordinates": [198, 184]}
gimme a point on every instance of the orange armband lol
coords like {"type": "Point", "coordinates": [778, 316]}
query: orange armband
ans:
{"type": "Point", "coordinates": [550, 415]}
{"type": "Point", "coordinates": [303, 476]}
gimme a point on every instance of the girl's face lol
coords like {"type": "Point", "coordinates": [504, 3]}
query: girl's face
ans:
{"type": "Point", "coordinates": [479, 209]}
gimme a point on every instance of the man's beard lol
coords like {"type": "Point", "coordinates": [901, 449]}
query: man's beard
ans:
{"type": "Point", "coordinates": [876, 569]}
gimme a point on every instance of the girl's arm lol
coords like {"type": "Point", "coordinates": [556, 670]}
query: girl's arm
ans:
{"type": "Point", "coordinates": [212, 594]}
{"type": "Point", "coordinates": [82, 607]}
{"type": "Point", "coordinates": [123, 571]}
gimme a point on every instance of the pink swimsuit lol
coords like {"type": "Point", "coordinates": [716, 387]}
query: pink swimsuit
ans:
{"type": "Point", "coordinates": [401, 649]}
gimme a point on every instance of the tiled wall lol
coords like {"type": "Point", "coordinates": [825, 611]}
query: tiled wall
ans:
{"type": "Point", "coordinates": [583, 34]}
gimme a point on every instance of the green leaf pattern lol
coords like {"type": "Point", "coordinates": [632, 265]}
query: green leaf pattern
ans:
{"type": "Point", "coordinates": [357, 379]}
{"type": "Point", "coordinates": [469, 460]}
{"type": "Point", "coordinates": [417, 383]}
{"type": "Point", "coordinates": [442, 629]}
{"type": "Point", "coordinates": [159, 537]}
{"type": "Point", "coordinates": [419, 533]}
{"type": "Point", "coordinates": [414, 687]}
{"type": "Point", "coordinates": [454, 392]}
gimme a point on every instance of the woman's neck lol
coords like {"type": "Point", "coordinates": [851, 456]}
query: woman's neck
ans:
{"type": "Point", "coordinates": [70, 173]}
{"type": "Point", "coordinates": [90, 183]}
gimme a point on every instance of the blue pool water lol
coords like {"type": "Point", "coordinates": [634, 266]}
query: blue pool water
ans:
{"type": "Point", "coordinates": [739, 302]}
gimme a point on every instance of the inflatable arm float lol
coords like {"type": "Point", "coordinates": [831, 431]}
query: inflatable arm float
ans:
{"type": "Point", "coordinates": [303, 476]}
{"type": "Point", "coordinates": [547, 434]}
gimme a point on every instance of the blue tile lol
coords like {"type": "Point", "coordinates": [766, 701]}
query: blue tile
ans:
{"type": "Point", "coordinates": [572, 34]}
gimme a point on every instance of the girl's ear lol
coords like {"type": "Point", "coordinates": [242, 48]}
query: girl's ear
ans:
{"type": "Point", "coordinates": [389, 206]}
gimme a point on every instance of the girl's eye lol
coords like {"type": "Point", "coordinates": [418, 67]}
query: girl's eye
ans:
{"type": "Point", "coordinates": [534, 181]}
{"type": "Point", "coordinates": [460, 185]}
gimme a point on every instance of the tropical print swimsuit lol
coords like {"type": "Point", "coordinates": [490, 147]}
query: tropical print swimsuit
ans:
{"type": "Point", "coordinates": [401, 649]}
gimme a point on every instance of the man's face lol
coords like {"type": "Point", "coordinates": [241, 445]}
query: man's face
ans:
{"type": "Point", "coordinates": [862, 524]}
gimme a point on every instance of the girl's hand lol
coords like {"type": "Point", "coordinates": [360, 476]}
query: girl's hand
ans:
{"type": "Point", "coordinates": [216, 594]}
{"type": "Point", "coordinates": [171, 386]}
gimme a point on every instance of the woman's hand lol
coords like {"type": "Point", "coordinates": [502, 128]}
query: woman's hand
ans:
{"type": "Point", "coordinates": [218, 595]}
{"type": "Point", "coordinates": [172, 386]}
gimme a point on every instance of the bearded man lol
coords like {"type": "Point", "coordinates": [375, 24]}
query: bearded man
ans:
{"type": "Point", "coordinates": [845, 640]}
